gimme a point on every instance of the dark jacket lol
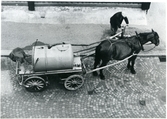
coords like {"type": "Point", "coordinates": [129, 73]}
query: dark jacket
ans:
{"type": "Point", "coordinates": [116, 20]}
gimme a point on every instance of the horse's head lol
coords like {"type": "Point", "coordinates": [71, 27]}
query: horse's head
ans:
{"type": "Point", "coordinates": [153, 37]}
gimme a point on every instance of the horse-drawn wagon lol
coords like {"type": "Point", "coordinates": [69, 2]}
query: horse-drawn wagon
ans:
{"type": "Point", "coordinates": [59, 59]}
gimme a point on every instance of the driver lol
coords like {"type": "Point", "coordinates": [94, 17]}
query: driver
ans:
{"type": "Point", "coordinates": [116, 21]}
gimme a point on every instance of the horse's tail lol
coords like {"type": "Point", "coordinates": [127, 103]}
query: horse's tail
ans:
{"type": "Point", "coordinates": [97, 50]}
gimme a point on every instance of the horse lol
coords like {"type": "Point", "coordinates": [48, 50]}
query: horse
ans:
{"type": "Point", "coordinates": [123, 48]}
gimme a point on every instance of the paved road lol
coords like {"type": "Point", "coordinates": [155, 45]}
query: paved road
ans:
{"type": "Point", "coordinates": [125, 99]}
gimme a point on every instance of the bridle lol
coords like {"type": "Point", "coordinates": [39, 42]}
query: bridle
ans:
{"type": "Point", "coordinates": [146, 44]}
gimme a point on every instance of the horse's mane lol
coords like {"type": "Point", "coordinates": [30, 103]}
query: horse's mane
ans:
{"type": "Point", "coordinates": [146, 33]}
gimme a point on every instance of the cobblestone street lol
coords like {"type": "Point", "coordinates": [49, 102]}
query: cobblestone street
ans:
{"type": "Point", "coordinates": [124, 100]}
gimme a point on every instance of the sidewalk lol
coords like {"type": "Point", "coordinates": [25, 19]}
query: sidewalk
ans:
{"type": "Point", "coordinates": [70, 15]}
{"type": "Point", "coordinates": [51, 25]}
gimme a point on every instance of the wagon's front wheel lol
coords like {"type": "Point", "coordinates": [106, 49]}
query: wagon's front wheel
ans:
{"type": "Point", "coordinates": [74, 82]}
{"type": "Point", "coordinates": [35, 84]}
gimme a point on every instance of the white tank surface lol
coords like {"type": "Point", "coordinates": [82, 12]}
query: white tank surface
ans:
{"type": "Point", "coordinates": [58, 57]}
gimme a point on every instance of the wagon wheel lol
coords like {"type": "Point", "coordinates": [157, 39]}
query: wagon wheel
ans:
{"type": "Point", "coordinates": [35, 84]}
{"type": "Point", "coordinates": [74, 82]}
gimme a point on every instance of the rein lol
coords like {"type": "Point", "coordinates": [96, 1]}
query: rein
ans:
{"type": "Point", "coordinates": [146, 44]}
{"type": "Point", "coordinates": [149, 49]}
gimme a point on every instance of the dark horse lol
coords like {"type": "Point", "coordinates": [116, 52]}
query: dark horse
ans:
{"type": "Point", "coordinates": [122, 49]}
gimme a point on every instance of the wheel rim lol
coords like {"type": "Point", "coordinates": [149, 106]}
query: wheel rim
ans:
{"type": "Point", "coordinates": [74, 82]}
{"type": "Point", "coordinates": [35, 84]}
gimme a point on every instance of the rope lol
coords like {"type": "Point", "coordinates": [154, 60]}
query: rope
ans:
{"type": "Point", "coordinates": [148, 43]}
{"type": "Point", "coordinates": [149, 49]}
{"type": "Point", "coordinates": [91, 48]}
{"type": "Point", "coordinates": [86, 52]}
{"type": "Point", "coordinates": [110, 64]}
{"type": "Point", "coordinates": [111, 37]}
{"type": "Point", "coordinates": [93, 43]}
{"type": "Point", "coordinates": [140, 55]}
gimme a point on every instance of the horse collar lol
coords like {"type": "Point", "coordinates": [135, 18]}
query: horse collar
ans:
{"type": "Point", "coordinates": [140, 43]}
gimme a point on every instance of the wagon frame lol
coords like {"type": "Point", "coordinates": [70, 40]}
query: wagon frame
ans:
{"type": "Point", "coordinates": [38, 81]}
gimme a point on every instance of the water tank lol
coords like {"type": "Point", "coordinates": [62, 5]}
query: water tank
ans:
{"type": "Point", "coordinates": [55, 58]}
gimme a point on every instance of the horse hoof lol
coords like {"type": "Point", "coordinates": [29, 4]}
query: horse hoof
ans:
{"type": "Point", "coordinates": [133, 72]}
{"type": "Point", "coordinates": [95, 74]}
{"type": "Point", "coordinates": [102, 77]}
{"type": "Point", "coordinates": [128, 67]}
{"type": "Point", "coordinates": [90, 92]}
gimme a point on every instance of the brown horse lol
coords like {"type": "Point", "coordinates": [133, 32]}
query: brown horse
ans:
{"type": "Point", "coordinates": [122, 49]}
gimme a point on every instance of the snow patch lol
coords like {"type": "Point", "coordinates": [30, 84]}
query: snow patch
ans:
{"type": "Point", "coordinates": [71, 15]}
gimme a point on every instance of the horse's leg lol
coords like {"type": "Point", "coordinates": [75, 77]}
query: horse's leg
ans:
{"type": "Point", "coordinates": [97, 61]}
{"type": "Point", "coordinates": [104, 63]}
{"type": "Point", "coordinates": [129, 65]}
{"type": "Point", "coordinates": [133, 62]}
{"type": "Point", "coordinates": [129, 61]}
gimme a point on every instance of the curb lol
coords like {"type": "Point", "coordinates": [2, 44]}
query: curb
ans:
{"type": "Point", "coordinates": [76, 4]}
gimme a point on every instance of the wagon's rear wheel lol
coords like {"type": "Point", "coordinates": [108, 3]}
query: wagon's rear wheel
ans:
{"type": "Point", "coordinates": [35, 84]}
{"type": "Point", "coordinates": [74, 82]}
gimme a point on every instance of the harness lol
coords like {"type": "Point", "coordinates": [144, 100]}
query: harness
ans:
{"type": "Point", "coordinates": [141, 46]}
{"type": "Point", "coordinates": [130, 44]}
{"type": "Point", "coordinates": [145, 44]}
